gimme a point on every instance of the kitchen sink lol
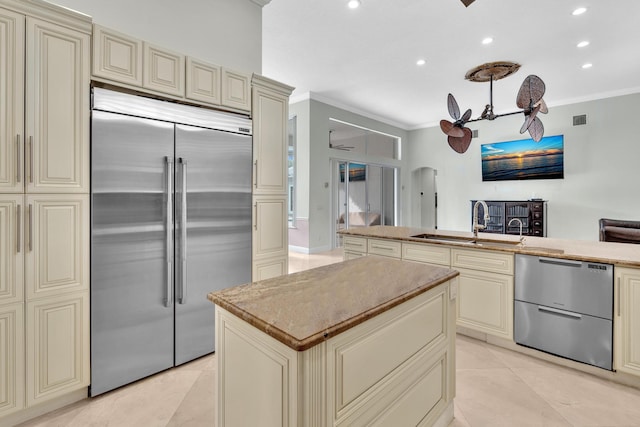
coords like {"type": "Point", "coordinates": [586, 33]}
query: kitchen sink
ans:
{"type": "Point", "coordinates": [446, 239]}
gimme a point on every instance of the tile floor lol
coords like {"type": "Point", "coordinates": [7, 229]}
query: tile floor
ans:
{"type": "Point", "coordinates": [496, 387]}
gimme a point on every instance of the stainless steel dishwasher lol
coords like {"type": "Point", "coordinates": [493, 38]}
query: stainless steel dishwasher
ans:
{"type": "Point", "coordinates": [565, 307]}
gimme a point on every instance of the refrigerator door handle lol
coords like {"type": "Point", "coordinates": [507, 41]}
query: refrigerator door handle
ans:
{"type": "Point", "coordinates": [169, 227]}
{"type": "Point", "coordinates": [183, 233]}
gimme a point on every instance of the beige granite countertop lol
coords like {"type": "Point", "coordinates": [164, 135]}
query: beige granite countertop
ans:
{"type": "Point", "coordinates": [303, 309]}
{"type": "Point", "coordinates": [624, 254]}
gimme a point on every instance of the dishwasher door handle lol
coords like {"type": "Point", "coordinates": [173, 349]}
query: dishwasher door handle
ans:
{"type": "Point", "coordinates": [557, 261]}
{"type": "Point", "coordinates": [560, 312]}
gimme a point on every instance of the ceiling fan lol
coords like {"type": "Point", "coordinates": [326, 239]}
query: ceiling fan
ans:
{"type": "Point", "coordinates": [338, 146]}
{"type": "Point", "coordinates": [529, 99]}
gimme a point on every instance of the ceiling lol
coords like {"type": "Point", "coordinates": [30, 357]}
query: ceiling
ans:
{"type": "Point", "coordinates": [364, 60]}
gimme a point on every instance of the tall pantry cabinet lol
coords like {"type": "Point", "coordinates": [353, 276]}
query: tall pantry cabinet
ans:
{"type": "Point", "coordinates": [270, 108]}
{"type": "Point", "coordinates": [44, 204]}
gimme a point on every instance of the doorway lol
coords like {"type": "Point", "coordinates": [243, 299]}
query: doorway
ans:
{"type": "Point", "coordinates": [425, 198]}
{"type": "Point", "coordinates": [364, 195]}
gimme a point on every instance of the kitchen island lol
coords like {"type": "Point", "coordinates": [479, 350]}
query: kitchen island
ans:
{"type": "Point", "coordinates": [364, 342]}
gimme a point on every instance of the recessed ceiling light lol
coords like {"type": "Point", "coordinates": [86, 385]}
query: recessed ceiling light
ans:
{"type": "Point", "coordinates": [587, 65]}
{"type": "Point", "coordinates": [583, 43]}
{"type": "Point", "coordinates": [579, 11]}
{"type": "Point", "coordinates": [487, 40]}
{"type": "Point", "coordinates": [421, 62]}
{"type": "Point", "coordinates": [353, 4]}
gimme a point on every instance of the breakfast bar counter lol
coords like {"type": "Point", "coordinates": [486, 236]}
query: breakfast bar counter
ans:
{"type": "Point", "coordinates": [368, 341]}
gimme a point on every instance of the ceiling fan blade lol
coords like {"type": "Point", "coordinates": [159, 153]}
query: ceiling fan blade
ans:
{"type": "Point", "coordinates": [460, 145]}
{"type": "Point", "coordinates": [466, 116]}
{"type": "Point", "coordinates": [454, 110]}
{"type": "Point", "coordinates": [466, 3]}
{"type": "Point", "coordinates": [531, 91]}
{"type": "Point", "coordinates": [536, 130]}
{"type": "Point", "coordinates": [530, 118]}
{"type": "Point", "coordinates": [543, 106]}
{"type": "Point", "coordinates": [450, 129]}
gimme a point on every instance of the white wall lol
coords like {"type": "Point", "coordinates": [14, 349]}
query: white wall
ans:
{"type": "Point", "coordinates": [223, 32]}
{"type": "Point", "coordinates": [601, 168]}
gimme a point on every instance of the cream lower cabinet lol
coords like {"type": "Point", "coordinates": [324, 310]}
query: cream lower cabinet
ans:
{"type": "Point", "coordinates": [11, 358]}
{"type": "Point", "coordinates": [354, 247]}
{"type": "Point", "coordinates": [627, 321]}
{"type": "Point", "coordinates": [485, 284]}
{"type": "Point", "coordinates": [270, 237]}
{"type": "Point", "coordinates": [485, 292]}
{"type": "Point", "coordinates": [57, 346]}
{"type": "Point", "coordinates": [395, 369]}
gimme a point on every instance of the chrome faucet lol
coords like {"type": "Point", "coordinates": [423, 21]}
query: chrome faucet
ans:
{"type": "Point", "coordinates": [477, 226]}
{"type": "Point", "coordinates": [520, 222]}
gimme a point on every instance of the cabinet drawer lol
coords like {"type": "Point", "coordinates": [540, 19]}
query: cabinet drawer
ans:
{"type": "Point", "coordinates": [384, 247]}
{"type": "Point", "coordinates": [495, 262]}
{"type": "Point", "coordinates": [353, 255]}
{"type": "Point", "coordinates": [354, 244]}
{"type": "Point", "coordinates": [433, 254]}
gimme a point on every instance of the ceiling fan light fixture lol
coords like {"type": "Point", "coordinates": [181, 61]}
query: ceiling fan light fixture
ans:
{"type": "Point", "coordinates": [579, 11]}
{"type": "Point", "coordinates": [353, 4]}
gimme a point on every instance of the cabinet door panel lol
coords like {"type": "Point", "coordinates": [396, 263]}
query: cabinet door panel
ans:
{"type": "Point", "coordinates": [11, 249]}
{"type": "Point", "coordinates": [56, 244]}
{"type": "Point", "coordinates": [627, 321]}
{"type": "Point", "coordinates": [163, 70]}
{"type": "Point", "coordinates": [485, 302]}
{"type": "Point", "coordinates": [270, 142]}
{"type": "Point", "coordinates": [11, 101]}
{"type": "Point", "coordinates": [203, 81]}
{"type": "Point", "coordinates": [116, 56]}
{"type": "Point", "coordinates": [57, 346]}
{"type": "Point", "coordinates": [236, 92]}
{"type": "Point", "coordinates": [270, 227]}
{"type": "Point", "coordinates": [57, 111]}
{"type": "Point", "coordinates": [266, 269]}
{"type": "Point", "coordinates": [11, 358]}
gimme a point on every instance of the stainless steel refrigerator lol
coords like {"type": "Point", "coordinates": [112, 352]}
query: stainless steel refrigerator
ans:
{"type": "Point", "coordinates": [170, 222]}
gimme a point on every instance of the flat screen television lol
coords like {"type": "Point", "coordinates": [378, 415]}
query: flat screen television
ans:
{"type": "Point", "coordinates": [523, 159]}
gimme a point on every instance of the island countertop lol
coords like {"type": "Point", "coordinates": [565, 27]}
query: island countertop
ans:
{"type": "Point", "coordinates": [624, 254]}
{"type": "Point", "coordinates": [303, 309]}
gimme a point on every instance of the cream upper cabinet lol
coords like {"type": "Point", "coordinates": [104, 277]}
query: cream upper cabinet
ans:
{"type": "Point", "coordinates": [203, 81]}
{"type": "Point", "coordinates": [163, 70]}
{"type": "Point", "coordinates": [57, 346]}
{"type": "Point", "coordinates": [56, 244]}
{"type": "Point", "coordinates": [11, 358]}
{"type": "Point", "coordinates": [236, 89]}
{"type": "Point", "coordinates": [270, 115]}
{"type": "Point", "coordinates": [627, 320]}
{"type": "Point", "coordinates": [11, 101]}
{"type": "Point", "coordinates": [57, 109]}
{"type": "Point", "coordinates": [11, 248]}
{"type": "Point", "coordinates": [116, 56]}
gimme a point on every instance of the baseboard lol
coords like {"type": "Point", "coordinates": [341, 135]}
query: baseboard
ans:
{"type": "Point", "coordinates": [44, 408]}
